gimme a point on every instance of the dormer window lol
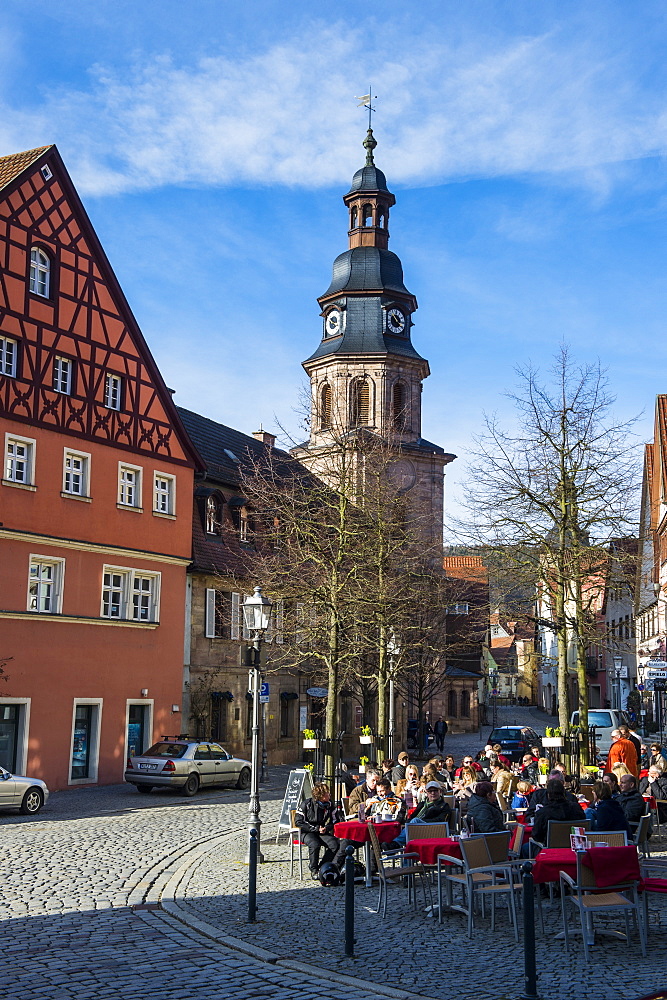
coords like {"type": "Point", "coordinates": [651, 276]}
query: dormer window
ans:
{"type": "Point", "coordinates": [40, 272]}
{"type": "Point", "coordinates": [213, 516]}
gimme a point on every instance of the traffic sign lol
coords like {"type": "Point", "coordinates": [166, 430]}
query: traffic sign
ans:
{"type": "Point", "coordinates": [264, 693]}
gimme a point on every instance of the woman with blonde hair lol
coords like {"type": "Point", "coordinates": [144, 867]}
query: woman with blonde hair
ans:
{"type": "Point", "coordinates": [619, 769]}
{"type": "Point", "coordinates": [409, 787]}
{"type": "Point", "coordinates": [464, 787]}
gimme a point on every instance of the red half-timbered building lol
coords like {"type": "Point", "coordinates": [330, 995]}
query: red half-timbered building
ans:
{"type": "Point", "coordinates": [95, 498]}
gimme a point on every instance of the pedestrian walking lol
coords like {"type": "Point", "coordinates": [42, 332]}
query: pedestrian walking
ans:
{"type": "Point", "coordinates": [440, 729]}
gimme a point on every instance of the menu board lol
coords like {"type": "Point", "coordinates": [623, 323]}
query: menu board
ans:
{"type": "Point", "coordinates": [299, 787]}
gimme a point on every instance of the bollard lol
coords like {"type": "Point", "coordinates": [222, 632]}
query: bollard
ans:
{"type": "Point", "coordinates": [529, 965]}
{"type": "Point", "coordinates": [349, 901]}
{"type": "Point", "coordinates": [252, 877]}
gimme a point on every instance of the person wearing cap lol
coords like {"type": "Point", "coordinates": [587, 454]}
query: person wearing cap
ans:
{"type": "Point", "coordinates": [484, 810]}
{"type": "Point", "coordinates": [385, 804]}
{"type": "Point", "coordinates": [433, 809]}
{"type": "Point", "coordinates": [398, 772]}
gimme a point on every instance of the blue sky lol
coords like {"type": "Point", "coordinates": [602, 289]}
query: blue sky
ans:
{"type": "Point", "coordinates": [211, 141]}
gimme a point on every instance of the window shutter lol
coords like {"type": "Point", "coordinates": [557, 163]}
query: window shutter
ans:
{"type": "Point", "coordinates": [209, 630]}
{"type": "Point", "coordinates": [280, 614]}
{"type": "Point", "coordinates": [236, 608]}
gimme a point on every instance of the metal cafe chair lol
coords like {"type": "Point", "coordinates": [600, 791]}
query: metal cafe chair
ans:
{"type": "Point", "coordinates": [422, 831]}
{"type": "Point", "coordinates": [295, 842]}
{"type": "Point", "coordinates": [388, 874]}
{"type": "Point", "coordinates": [558, 833]}
{"type": "Point", "coordinates": [475, 876]}
{"type": "Point", "coordinates": [590, 900]}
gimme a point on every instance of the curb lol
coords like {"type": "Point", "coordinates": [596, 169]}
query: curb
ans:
{"type": "Point", "coordinates": [165, 891]}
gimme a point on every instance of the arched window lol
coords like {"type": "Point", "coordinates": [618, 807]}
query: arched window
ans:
{"type": "Point", "coordinates": [465, 704]}
{"type": "Point", "coordinates": [368, 215]}
{"type": "Point", "coordinates": [326, 400]}
{"type": "Point", "coordinates": [361, 403]}
{"type": "Point", "coordinates": [398, 405]}
{"type": "Point", "coordinates": [213, 516]}
{"type": "Point", "coordinates": [382, 220]}
{"type": "Point", "coordinates": [451, 703]}
{"type": "Point", "coordinates": [354, 215]}
{"type": "Point", "coordinates": [40, 272]}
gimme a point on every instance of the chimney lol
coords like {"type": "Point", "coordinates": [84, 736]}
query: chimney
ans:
{"type": "Point", "coordinates": [268, 439]}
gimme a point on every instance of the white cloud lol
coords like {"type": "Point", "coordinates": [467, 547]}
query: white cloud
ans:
{"type": "Point", "coordinates": [523, 105]}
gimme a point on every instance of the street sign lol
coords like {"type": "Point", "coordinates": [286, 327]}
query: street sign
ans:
{"type": "Point", "coordinates": [660, 684]}
{"type": "Point", "coordinates": [656, 672]}
{"type": "Point", "coordinates": [323, 692]}
{"type": "Point", "coordinates": [640, 687]}
{"type": "Point", "coordinates": [264, 693]}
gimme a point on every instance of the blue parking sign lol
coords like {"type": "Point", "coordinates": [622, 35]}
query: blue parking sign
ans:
{"type": "Point", "coordinates": [264, 693]}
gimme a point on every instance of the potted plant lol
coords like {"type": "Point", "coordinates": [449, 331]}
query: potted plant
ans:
{"type": "Point", "coordinates": [543, 767]}
{"type": "Point", "coordinates": [366, 735]}
{"type": "Point", "coordinates": [363, 761]}
{"type": "Point", "coordinates": [310, 741]}
{"type": "Point", "coordinates": [552, 737]}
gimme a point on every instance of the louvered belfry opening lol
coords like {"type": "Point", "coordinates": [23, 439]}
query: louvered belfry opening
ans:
{"type": "Point", "coordinates": [398, 405]}
{"type": "Point", "coordinates": [326, 405]}
{"type": "Point", "coordinates": [361, 404]}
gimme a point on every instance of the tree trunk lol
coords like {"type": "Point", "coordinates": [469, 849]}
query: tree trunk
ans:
{"type": "Point", "coordinates": [382, 726]}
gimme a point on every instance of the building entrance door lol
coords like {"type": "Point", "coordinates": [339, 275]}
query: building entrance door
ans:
{"type": "Point", "coordinates": [9, 733]}
{"type": "Point", "coordinates": [137, 719]}
{"type": "Point", "coordinates": [83, 726]}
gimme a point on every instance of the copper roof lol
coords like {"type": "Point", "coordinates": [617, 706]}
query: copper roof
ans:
{"type": "Point", "coordinates": [13, 165]}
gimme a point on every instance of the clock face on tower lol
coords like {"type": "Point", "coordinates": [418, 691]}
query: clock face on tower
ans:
{"type": "Point", "coordinates": [395, 321]}
{"type": "Point", "coordinates": [333, 324]}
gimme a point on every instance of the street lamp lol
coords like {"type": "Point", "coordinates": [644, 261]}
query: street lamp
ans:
{"type": "Point", "coordinates": [256, 615]}
{"type": "Point", "coordinates": [393, 649]}
{"type": "Point", "coordinates": [493, 679]}
{"type": "Point", "coordinates": [618, 660]}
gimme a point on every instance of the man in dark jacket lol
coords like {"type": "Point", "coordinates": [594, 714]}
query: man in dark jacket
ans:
{"type": "Point", "coordinates": [630, 800]}
{"type": "Point", "coordinates": [557, 807]}
{"type": "Point", "coordinates": [539, 796]}
{"type": "Point", "coordinates": [398, 772]}
{"type": "Point", "coordinates": [440, 731]}
{"type": "Point", "coordinates": [529, 769]}
{"type": "Point", "coordinates": [314, 818]}
{"type": "Point", "coordinates": [483, 809]}
{"type": "Point", "coordinates": [655, 784]}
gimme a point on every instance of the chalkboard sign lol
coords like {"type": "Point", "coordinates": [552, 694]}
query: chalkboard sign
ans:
{"type": "Point", "coordinates": [299, 787]}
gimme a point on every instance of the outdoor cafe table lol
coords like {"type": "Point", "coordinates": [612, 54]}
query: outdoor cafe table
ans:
{"type": "Point", "coordinates": [610, 864]}
{"type": "Point", "coordinates": [356, 832]}
{"type": "Point", "coordinates": [428, 848]}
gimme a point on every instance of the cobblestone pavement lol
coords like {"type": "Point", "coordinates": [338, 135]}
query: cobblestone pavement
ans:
{"type": "Point", "coordinates": [110, 894]}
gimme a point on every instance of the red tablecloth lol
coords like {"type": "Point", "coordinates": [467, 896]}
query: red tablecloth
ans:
{"type": "Point", "coordinates": [612, 865]}
{"type": "Point", "coordinates": [551, 861]}
{"type": "Point", "coordinates": [357, 832]}
{"type": "Point", "coordinates": [429, 848]}
{"type": "Point", "coordinates": [650, 800]}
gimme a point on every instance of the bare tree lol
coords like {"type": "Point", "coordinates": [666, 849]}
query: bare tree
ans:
{"type": "Point", "coordinates": [548, 497]}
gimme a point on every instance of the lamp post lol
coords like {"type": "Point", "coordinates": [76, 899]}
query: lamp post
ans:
{"type": "Point", "coordinates": [642, 707]}
{"type": "Point", "coordinates": [618, 660]}
{"type": "Point", "coordinates": [394, 650]}
{"type": "Point", "coordinates": [493, 679]}
{"type": "Point", "coordinates": [256, 614]}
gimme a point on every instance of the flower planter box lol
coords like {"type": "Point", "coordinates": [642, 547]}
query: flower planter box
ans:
{"type": "Point", "coordinates": [362, 769]}
{"type": "Point", "coordinates": [367, 739]}
{"type": "Point", "coordinates": [552, 741]}
{"type": "Point", "coordinates": [311, 744]}
{"type": "Point", "coordinates": [542, 778]}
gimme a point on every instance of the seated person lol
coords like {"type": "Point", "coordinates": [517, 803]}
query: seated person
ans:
{"type": "Point", "coordinates": [631, 801]}
{"type": "Point", "coordinates": [468, 762]}
{"type": "Point", "coordinates": [346, 777]}
{"type": "Point", "coordinates": [606, 814]}
{"type": "Point", "coordinates": [520, 798]}
{"type": "Point", "coordinates": [385, 806]}
{"type": "Point", "coordinates": [500, 777]}
{"type": "Point", "coordinates": [409, 787]}
{"type": "Point", "coordinates": [655, 784]}
{"type": "Point", "coordinates": [386, 768]}
{"type": "Point", "coordinates": [498, 751]}
{"type": "Point", "coordinates": [610, 779]}
{"type": "Point", "coordinates": [314, 817]}
{"type": "Point", "coordinates": [539, 796]}
{"type": "Point", "coordinates": [398, 771]}
{"type": "Point", "coordinates": [556, 807]}
{"type": "Point", "coordinates": [361, 793]}
{"type": "Point", "coordinates": [483, 809]}
{"type": "Point", "coordinates": [433, 809]}
{"type": "Point", "coordinates": [529, 769]}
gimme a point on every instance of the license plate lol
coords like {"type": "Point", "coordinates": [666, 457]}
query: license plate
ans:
{"type": "Point", "coordinates": [148, 767]}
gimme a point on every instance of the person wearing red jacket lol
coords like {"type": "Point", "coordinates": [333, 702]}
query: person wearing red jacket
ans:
{"type": "Point", "coordinates": [468, 762]}
{"type": "Point", "coordinates": [622, 751]}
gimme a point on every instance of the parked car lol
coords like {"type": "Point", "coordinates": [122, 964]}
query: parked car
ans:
{"type": "Point", "coordinates": [28, 795]}
{"type": "Point", "coordinates": [605, 721]}
{"type": "Point", "coordinates": [413, 734]}
{"type": "Point", "coordinates": [187, 765]}
{"type": "Point", "coordinates": [515, 741]}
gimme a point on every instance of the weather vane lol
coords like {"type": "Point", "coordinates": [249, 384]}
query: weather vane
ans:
{"type": "Point", "coordinates": [367, 102]}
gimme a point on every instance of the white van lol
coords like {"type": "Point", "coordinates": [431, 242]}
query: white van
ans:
{"type": "Point", "coordinates": [605, 720]}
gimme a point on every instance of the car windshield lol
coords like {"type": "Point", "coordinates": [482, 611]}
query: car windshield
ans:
{"type": "Point", "coordinates": [165, 750]}
{"type": "Point", "coordinates": [602, 719]}
{"type": "Point", "coordinates": [498, 735]}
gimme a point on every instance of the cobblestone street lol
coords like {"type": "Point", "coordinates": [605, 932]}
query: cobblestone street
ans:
{"type": "Point", "coordinates": [110, 894]}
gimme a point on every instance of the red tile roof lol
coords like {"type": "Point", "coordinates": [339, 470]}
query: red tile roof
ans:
{"type": "Point", "coordinates": [12, 166]}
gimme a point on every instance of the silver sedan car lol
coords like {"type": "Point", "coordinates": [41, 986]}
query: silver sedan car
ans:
{"type": "Point", "coordinates": [187, 765]}
{"type": "Point", "coordinates": [28, 795]}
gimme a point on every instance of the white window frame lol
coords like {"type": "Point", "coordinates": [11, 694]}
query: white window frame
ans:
{"type": "Point", "coordinates": [137, 486]}
{"type": "Point", "coordinates": [84, 457]}
{"type": "Point", "coordinates": [159, 495]}
{"type": "Point", "coordinates": [40, 272]}
{"type": "Point", "coordinates": [62, 374]}
{"type": "Point", "coordinates": [94, 741]}
{"type": "Point", "coordinates": [23, 730]}
{"type": "Point", "coordinates": [127, 589]}
{"type": "Point", "coordinates": [28, 479]}
{"type": "Point", "coordinates": [9, 352]}
{"type": "Point", "coordinates": [113, 390]}
{"type": "Point", "coordinates": [57, 583]}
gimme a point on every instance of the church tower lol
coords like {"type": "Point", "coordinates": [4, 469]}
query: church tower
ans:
{"type": "Point", "coordinates": [366, 375]}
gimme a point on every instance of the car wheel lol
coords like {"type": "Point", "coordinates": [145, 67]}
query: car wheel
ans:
{"type": "Point", "coordinates": [244, 779]}
{"type": "Point", "coordinates": [144, 789]}
{"type": "Point", "coordinates": [33, 800]}
{"type": "Point", "coordinates": [191, 786]}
